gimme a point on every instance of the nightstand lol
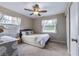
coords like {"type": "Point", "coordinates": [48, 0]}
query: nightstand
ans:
{"type": "Point", "coordinates": [19, 40]}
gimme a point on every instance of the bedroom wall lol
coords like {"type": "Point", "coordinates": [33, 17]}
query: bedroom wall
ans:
{"type": "Point", "coordinates": [60, 36]}
{"type": "Point", "coordinates": [26, 22]}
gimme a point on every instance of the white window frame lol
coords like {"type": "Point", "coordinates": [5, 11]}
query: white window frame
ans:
{"type": "Point", "coordinates": [9, 20]}
{"type": "Point", "coordinates": [54, 23]}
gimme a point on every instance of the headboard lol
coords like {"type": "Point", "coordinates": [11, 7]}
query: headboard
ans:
{"type": "Point", "coordinates": [24, 30]}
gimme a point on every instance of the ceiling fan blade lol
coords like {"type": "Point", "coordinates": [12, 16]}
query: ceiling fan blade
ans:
{"type": "Point", "coordinates": [31, 14]}
{"type": "Point", "coordinates": [39, 14]}
{"type": "Point", "coordinates": [43, 11]}
{"type": "Point", "coordinates": [28, 9]}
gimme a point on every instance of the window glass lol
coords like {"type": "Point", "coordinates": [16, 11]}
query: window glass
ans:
{"type": "Point", "coordinates": [5, 19]}
{"type": "Point", "coordinates": [49, 25]}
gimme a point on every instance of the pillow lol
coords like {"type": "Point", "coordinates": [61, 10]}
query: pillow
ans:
{"type": "Point", "coordinates": [29, 32]}
{"type": "Point", "coordinates": [23, 33]}
{"type": "Point", "coordinates": [26, 32]}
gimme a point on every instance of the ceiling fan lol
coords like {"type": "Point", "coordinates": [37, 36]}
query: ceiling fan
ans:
{"type": "Point", "coordinates": [36, 10]}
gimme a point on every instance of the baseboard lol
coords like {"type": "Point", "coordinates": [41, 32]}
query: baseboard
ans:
{"type": "Point", "coordinates": [58, 41]}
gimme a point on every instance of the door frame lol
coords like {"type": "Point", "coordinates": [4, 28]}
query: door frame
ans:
{"type": "Point", "coordinates": [68, 14]}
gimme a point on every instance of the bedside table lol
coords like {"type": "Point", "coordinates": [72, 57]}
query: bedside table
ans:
{"type": "Point", "coordinates": [19, 40]}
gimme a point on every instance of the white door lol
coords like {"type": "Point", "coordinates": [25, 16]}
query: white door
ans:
{"type": "Point", "coordinates": [74, 29]}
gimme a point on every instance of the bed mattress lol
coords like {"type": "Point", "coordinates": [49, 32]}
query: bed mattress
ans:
{"type": "Point", "coordinates": [38, 40]}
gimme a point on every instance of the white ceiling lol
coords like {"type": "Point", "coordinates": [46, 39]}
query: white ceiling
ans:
{"type": "Point", "coordinates": [51, 7]}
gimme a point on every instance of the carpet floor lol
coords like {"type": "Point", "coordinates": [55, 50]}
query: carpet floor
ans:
{"type": "Point", "coordinates": [51, 49]}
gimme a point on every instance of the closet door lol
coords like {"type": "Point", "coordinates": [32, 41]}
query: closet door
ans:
{"type": "Point", "coordinates": [74, 29]}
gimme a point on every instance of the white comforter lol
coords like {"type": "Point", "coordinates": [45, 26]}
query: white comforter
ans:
{"type": "Point", "coordinates": [36, 39]}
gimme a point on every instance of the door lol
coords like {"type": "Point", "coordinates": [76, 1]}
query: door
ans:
{"type": "Point", "coordinates": [73, 29]}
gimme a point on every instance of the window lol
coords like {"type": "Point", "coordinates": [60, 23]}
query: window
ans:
{"type": "Point", "coordinates": [49, 25]}
{"type": "Point", "coordinates": [12, 24]}
{"type": "Point", "coordinates": [5, 19]}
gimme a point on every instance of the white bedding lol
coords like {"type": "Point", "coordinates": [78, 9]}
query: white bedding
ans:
{"type": "Point", "coordinates": [36, 39]}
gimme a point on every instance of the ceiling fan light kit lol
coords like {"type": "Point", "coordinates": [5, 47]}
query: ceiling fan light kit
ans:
{"type": "Point", "coordinates": [35, 13]}
{"type": "Point", "coordinates": [36, 10]}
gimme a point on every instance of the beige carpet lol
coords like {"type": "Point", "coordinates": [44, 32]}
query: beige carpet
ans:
{"type": "Point", "coordinates": [51, 49]}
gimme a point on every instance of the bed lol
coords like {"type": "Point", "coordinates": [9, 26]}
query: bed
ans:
{"type": "Point", "coordinates": [38, 40]}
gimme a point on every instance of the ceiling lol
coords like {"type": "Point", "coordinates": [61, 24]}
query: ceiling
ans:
{"type": "Point", "coordinates": [51, 7]}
